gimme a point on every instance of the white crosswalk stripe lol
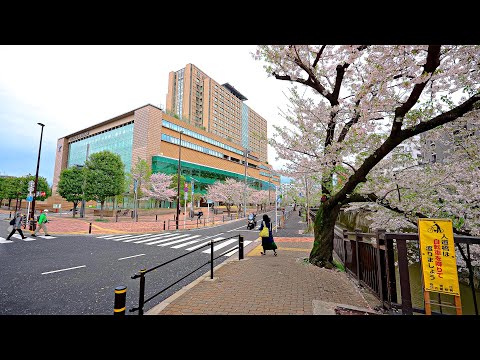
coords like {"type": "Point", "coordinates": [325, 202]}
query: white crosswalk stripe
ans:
{"type": "Point", "coordinates": [245, 243]}
{"type": "Point", "coordinates": [177, 241]}
{"type": "Point", "coordinates": [136, 238]}
{"type": "Point", "coordinates": [118, 236]}
{"type": "Point", "coordinates": [17, 236]}
{"type": "Point", "coordinates": [206, 242]}
{"type": "Point", "coordinates": [152, 238]}
{"type": "Point", "coordinates": [175, 237]}
{"type": "Point", "coordinates": [169, 237]}
{"type": "Point", "coordinates": [219, 246]}
{"type": "Point", "coordinates": [129, 237]}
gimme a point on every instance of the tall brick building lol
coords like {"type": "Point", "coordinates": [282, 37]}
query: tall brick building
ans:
{"type": "Point", "coordinates": [151, 134]}
{"type": "Point", "coordinates": [196, 98]}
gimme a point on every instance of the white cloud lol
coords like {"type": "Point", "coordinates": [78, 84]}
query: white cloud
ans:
{"type": "Point", "coordinates": [72, 87]}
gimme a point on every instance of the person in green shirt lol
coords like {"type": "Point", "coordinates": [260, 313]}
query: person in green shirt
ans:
{"type": "Point", "coordinates": [42, 221]}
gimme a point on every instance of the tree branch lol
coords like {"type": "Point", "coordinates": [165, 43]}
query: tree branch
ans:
{"type": "Point", "coordinates": [433, 61]}
{"type": "Point", "coordinates": [319, 54]}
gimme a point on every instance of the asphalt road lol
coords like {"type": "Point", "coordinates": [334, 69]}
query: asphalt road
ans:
{"type": "Point", "coordinates": [77, 274]}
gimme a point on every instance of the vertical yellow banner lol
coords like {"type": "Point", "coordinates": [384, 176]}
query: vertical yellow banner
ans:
{"type": "Point", "coordinates": [437, 252]}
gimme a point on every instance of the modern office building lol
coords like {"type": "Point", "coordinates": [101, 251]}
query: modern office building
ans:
{"type": "Point", "coordinates": [196, 98]}
{"type": "Point", "coordinates": [151, 134]}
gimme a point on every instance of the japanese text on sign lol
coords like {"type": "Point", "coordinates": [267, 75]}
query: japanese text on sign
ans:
{"type": "Point", "coordinates": [438, 256]}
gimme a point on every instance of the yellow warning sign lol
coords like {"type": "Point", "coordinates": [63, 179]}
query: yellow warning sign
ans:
{"type": "Point", "coordinates": [437, 251]}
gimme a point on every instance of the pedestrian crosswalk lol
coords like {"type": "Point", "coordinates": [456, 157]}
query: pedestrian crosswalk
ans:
{"type": "Point", "coordinates": [184, 241]}
{"type": "Point", "coordinates": [17, 236]}
{"type": "Point", "coordinates": [181, 241]}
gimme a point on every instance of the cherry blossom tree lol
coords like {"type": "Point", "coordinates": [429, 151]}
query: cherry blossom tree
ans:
{"type": "Point", "coordinates": [352, 105]}
{"type": "Point", "coordinates": [229, 192]}
{"type": "Point", "coordinates": [258, 197]}
{"type": "Point", "coordinates": [157, 187]}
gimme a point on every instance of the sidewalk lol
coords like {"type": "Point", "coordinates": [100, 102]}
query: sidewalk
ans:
{"type": "Point", "coordinates": [267, 285]}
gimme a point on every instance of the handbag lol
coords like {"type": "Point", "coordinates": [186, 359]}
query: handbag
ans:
{"type": "Point", "coordinates": [264, 232]}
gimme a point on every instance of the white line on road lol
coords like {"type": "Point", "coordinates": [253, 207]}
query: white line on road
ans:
{"type": "Point", "coordinates": [128, 257]}
{"type": "Point", "coordinates": [177, 241]}
{"type": "Point", "coordinates": [204, 243]}
{"type": "Point", "coordinates": [150, 239]}
{"type": "Point", "coordinates": [54, 271]}
{"type": "Point", "coordinates": [219, 246]}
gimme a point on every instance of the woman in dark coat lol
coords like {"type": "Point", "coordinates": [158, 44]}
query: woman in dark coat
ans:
{"type": "Point", "coordinates": [267, 242]}
{"type": "Point", "coordinates": [17, 226]}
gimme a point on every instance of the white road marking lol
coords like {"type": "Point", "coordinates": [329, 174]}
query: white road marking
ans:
{"type": "Point", "coordinates": [119, 236]}
{"type": "Point", "coordinates": [245, 243]}
{"type": "Point", "coordinates": [54, 271]}
{"type": "Point", "coordinates": [129, 257]}
{"type": "Point", "coordinates": [185, 244]}
{"type": "Point", "coordinates": [206, 242]}
{"type": "Point", "coordinates": [106, 236]}
{"type": "Point", "coordinates": [195, 241]}
{"type": "Point", "coordinates": [132, 237]}
{"type": "Point", "coordinates": [219, 246]}
{"type": "Point", "coordinates": [152, 238]}
{"type": "Point", "coordinates": [177, 241]}
{"type": "Point", "coordinates": [169, 239]}
{"type": "Point", "coordinates": [5, 241]}
{"type": "Point", "coordinates": [137, 237]}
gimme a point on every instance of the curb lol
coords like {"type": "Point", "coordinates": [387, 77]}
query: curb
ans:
{"type": "Point", "coordinates": [157, 309]}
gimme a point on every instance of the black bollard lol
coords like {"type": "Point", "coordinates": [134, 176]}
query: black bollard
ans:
{"type": "Point", "coordinates": [90, 228]}
{"type": "Point", "coordinates": [120, 296]}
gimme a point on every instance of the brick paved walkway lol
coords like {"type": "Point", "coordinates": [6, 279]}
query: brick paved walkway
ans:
{"type": "Point", "coordinates": [267, 285]}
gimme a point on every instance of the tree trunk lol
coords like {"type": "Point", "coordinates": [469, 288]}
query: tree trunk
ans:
{"type": "Point", "coordinates": [101, 209]}
{"type": "Point", "coordinates": [324, 226]}
{"type": "Point", "coordinates": [228, 209]}
{"type": "Point", "coordinates": [75, 204]}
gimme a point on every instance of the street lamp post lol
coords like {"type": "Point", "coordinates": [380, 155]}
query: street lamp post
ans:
{"type": "Point", "coordinates": [178, 180]}
{"type": "Point", "coordinates": [82, 212]}
{"type": "Point", "coordinates": [32, 214]}
{"type": "Point", "coordinates": [245, 187]}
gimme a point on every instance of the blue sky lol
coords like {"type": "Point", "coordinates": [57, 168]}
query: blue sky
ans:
{"type": "Point", "coordinates": [71, 87]}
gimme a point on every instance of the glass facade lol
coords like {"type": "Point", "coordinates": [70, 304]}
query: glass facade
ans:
{"type": "Point", "coordinates": [179, 89]}
{"type": "Point", "coordinates": [244, 125]}
{"type": "Point", "coordinates": [187, 144]}
{"type": "Point", "coordinates": [203, 175]}
{"type": "Point", "coordinates": [118, 141]}
{"type": "Point", "coordinates": [201, 137]}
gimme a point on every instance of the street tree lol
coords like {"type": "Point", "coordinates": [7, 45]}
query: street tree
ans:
{"type": "Point", "coordinates": [362, 102]}
{"type": "Point", "coordinates": [105, 177]}
{"type": "Point", "coordinates": [70, 186]}
{"type": "Point", "coordinates": [140, 172]}
{"type": "Point", "coordinates": [158, 187]}
{"type": "Point", "coordinates": [229, 192]}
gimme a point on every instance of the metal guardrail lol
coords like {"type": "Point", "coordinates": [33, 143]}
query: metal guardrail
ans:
{"type": "Point", "coordinates": [141, 274]}
{"type": "Point", "coordinates": [370, 258]}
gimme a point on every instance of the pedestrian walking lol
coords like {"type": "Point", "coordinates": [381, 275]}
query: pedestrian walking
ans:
{"type": "Point", "coordinates": [267, 238]}
{"type": "Point", "coordinates": [42, 221]}
{"type": "Point", "coordinates": [17, 226]}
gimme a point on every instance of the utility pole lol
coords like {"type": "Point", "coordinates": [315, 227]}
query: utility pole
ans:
{"type": "Point", "coordinates": [178, 180]}
{"type": "Point", "coordinates": [32, 215]}
{"type": "Point", "coordinates": [269, 185]}
{"type": "Point", "coordinates": [245, 187]}
{"type": "Point", "coordinates": [82, 213]}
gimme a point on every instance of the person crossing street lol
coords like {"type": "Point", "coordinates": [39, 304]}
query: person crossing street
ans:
{"type": "Point", "coordinates": [17, 226]}
{"type": "Point", "coordinates": [42, 220]}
